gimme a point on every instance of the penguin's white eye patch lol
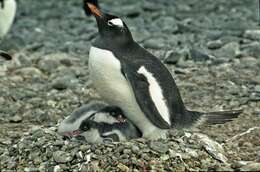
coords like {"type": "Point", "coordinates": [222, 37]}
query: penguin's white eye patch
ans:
{"type": "Point", "coordinates": [115, 22]}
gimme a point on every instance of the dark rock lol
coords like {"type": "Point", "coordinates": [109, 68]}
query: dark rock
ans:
{"type": "Point", "coordinates": [198, 55]}
{"type": "Point", "coordinates": [172, 57]}
{"type": "Point", "coordinates": [62, 83]}
{"type": "Point", "coordinates": [15, 119]}
{"type": "Point", "coordinates": [66, 62]}
{"type": "Point", "coordinates": [214, 44]}
{"type": "Point", "coordinates": [214, 34]}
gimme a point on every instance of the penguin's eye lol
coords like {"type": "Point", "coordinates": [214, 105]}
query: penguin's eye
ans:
{"type": "Point", "coordinates": [86, 127]}
{"type": "Point", "coordinates": [110, 23]}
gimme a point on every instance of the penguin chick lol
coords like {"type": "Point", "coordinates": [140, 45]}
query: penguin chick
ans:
{"type": "Point", "coordinates": [73, 121]}
{"type": "Point", "coordinates": [98, 122]}
{"type": "Point", "coordinates": [145, 90]}
{"type": "Point", "coordinates": [93, 130]}
{"type": "Point", "coordinates": [7, 14]}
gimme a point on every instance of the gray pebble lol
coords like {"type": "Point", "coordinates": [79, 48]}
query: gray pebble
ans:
{"type": "Point", "coordinates": [251, 49]}
{"type": "Point", "coordinates": [61, 157]}
{"type": "Point", "coordinates": [229, 50]}
{"type": "Point", "coordinates": [254, 166]}
{"type": "Point", "coordinates": [29, 72]}
{"type": "Point", "coordinates": [64, 82]}
{"type": "Point", "coordinates": [216, 44]}
{"type": "Point", "coordinates": [172, 57]}
{"type": "Point", "coordinates": [159, 147]}
{"type": "Point", "coordinates": [135, 149]}
{"type": "Point", "coordinates": [198, 55]}
{"type": "Point", "coordinates": [48, 65]}
{"type": "Point", "coordinates": [252, 34]}
{"type": "Point", "coordinates": [154, 43]}
{"type": "Point", "coordinates": [257, 88]}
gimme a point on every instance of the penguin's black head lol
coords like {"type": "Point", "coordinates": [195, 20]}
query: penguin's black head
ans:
{"type": "Point", "coordinates": [110, 27]}
{"type": "Point", "coordinates": [115, 112]}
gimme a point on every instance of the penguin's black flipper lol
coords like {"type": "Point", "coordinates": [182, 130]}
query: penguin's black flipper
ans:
{"type": "Point", "coordinates": [86, 8]}
{"type": "Point", "coordinates": [212, 118]}
{"type": "Point", "coordinates": [141, 91]}
{"type": "Point", "coordinates": [5, 55]}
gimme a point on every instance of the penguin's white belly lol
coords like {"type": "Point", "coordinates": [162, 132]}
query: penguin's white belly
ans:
{"type": "Point", "coordinates": [107, 78]}
{"type": "Point", "coordinates": [7, 15]}
{"type": "Point", "coordinates": [105, 73]}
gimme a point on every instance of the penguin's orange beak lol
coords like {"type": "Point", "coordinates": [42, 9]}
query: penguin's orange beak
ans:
{"type": "Point", "coordinates": [94, 10]}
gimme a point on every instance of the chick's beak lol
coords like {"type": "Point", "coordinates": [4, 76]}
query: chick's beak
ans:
{"type": "Point", "coordinates": [94, 10]}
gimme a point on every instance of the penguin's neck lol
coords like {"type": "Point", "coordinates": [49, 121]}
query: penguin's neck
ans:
{"type": "Point", "coordinates": [112, 45]}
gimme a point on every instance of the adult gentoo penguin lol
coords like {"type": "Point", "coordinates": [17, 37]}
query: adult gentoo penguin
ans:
{"type": "Point", "coordinates": [128, 76]}
{"type": "Point", "coordinates": [7, 14]}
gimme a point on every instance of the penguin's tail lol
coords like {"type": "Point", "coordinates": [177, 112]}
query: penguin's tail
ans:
{"type": "Point", "coordinates": [221, 117]}
{"type": "Point", "coordinates": [212, 118]}
{"type": "Point", "coordinates": [194, 118]}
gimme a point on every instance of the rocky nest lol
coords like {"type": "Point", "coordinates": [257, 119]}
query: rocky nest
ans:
{"type": "Point", "coordinates": [212, 49]}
